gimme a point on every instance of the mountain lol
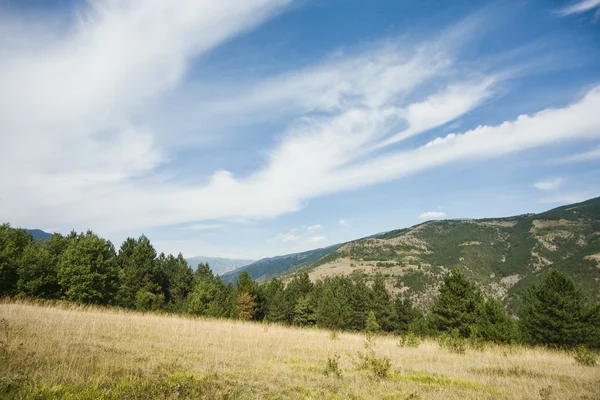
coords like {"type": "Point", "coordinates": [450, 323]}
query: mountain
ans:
{"type": "Point", "coordinates": [39, 234]}
{"type": "Point", "coordinates": [270, 267]}
{"type": "Point", "coordinates": [218, 265]}
{"type": "Point", "coordinates": [503, 255]}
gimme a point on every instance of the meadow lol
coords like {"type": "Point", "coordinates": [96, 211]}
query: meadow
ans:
{"type": "Point", "coordinates": [76, 352]}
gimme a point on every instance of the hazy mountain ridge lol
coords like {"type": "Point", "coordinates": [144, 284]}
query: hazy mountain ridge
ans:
{"type": "Point", "coordinates": [38, 234]}
{"type": "Point", "coordinates": [273, 266]}
{"type": "Point", "coordinates": [218, 265]}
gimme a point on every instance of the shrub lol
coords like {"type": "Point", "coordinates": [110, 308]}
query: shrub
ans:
{"type": "Point", "coordinates": [379, 366]}
{"type": "Point", "coordinates": [409, 340]}
{"type": "Point", "coordinates": [453, 342]}
{"type": "Point", "coordinates": [333, 366]}
{"type": "Point", "coordinates": [584, 356]}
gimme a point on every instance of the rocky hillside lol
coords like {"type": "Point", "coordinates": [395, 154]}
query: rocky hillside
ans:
{"type": "Point", "coordinates": [503, 255]}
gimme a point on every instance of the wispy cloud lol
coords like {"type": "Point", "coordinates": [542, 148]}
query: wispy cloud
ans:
{"type": "Point", "coordinates": [75, 108]}
{"type": "Point", "coordinates": [550, 184]}
{"type": "Point", "coordinates": [313, 228]}
{"type": "Point", "coordinates": [433, 215]}
{"type": "Point", "coordinates": [200, 227]}
{"type": "Point", "coordinates": [318, 239]}
{"type": "Point", "coordinates": [579, 7]}
{"type": "Point", "coordinates": [591, 155]}
{"type": "Point", "coordinates": [343, 222]}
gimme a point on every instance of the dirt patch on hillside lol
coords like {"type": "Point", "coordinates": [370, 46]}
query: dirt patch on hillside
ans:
{"type": "Point", "coordinates": [509, 281]}
{"type": "Point", "coordinates": [504, 224]}
{"type": "Point", "coordinates": [545, 223]}
{"type": "Point", "coordinates": [347, 266]}
{"type": "Point", "coordinates": [594, 257]}
{"type": "Point", "coordinates": [471, 243]}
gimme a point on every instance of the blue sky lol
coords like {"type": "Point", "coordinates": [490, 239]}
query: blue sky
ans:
{"type": "Point", "coordinates": [264, 127]}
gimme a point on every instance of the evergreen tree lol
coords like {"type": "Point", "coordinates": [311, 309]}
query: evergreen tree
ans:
{"type": "Point", "coordinates": [275, 301]}
{"type": "Point", "coordinates": [381, 304]}
{"type": "Point", "coordinates": [359, 301]}
{"type": "Point", "coordinates": [456, 305]}
{"type": "Point", "coordinates": [245, 285]}
{"type": "Point", "coordinates": [87, 270]}
{"type": "Point", "coordinates": [554, 312]}
{"type": "Point", "coordinates": [245, 306]}
{"type": "Point", "coordinates": [372, 327]}
{"type": "Point", "coordinates": [404, 315]}
{"type": "Point", "coordinates": [304, 312]}
{"type": "Point", "coordinates": [332, 308]}
{"type": "Point", "coordinates": [493, 324]}
{"type": "Point", "coordinates": [139, 273]}
{"type": "Point", "coordinates": [300, 286]}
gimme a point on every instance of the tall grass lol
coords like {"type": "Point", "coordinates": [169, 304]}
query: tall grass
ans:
{"type": "Point", "coordinates": [62, 351]}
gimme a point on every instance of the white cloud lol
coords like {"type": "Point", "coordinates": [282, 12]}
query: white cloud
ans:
{"type": "Point", "coordinates": [343, 222]}
{"type": "Point", "coordinates": [200, 227]}
{"type": "Point", "coordinates": [550, 184]}
{"type": "Point", "coordinates": [580, 7]}
{"type": "Point", "coordinates": [433, 215]}
{"type": "Point", "coordinates": [591, 155]}
{"type": "Point", "coordinates": [313, 228]}
{"type": "Point", "coordinates": [290, 237]}
{"type": "Point", "coordinates": [318, 239]}
{"type": "Point", "coordinates": [74, 109]}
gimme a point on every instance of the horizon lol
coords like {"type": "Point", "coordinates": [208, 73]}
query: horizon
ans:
{"type": "Point", "coordinates": [273, 127]}
{"type": "Point", "coordinates": [360, 238]}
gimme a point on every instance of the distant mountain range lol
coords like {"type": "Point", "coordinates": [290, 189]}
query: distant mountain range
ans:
{"type": "Point", "coordinates": [38, 234]}
{"type": "Point", "coordinates": [266, 268]}
{"type": "Point", "coordinates": [218, 265]}
{"type": "Point", "coordinates": [503, 255]}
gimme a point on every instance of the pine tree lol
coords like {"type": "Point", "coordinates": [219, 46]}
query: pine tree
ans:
{"type": "Point", "coordinates": [381, 304]}
{"type": "Point", "coordinates": [372, 326]}
{"type": "Point", "coordinates": [554, 312]}
{"type": "Point", "coordinates": [455, 307]}
{"type": "Point", "coordinates": [493, 324]}
{"type": "Point", "coordinates": [304, 312]}
{"type": "Point", "coordinates": [404, 315]}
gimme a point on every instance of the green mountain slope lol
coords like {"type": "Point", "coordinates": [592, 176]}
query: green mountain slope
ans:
{"type": "Point", "coordinates": [503, 255]}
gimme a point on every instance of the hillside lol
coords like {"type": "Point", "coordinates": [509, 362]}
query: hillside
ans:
{"type": "Point", "coordinates": [503, 255]}
{"type": "Point", "coordinates": [270, 267]}
{"type": "Point", "coordinates": [38, 234]}
{"type": "Point", "coordinates": [75, 352]}
{"type": "Point", "coordinates": [218, 265]}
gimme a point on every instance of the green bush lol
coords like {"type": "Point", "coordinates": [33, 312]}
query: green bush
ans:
{"type": "Point", "coordinates": [333, 366]}
{"type": "Point", "coordinates": [585, 356]}
{"type": "Point", "coordinates": [409, 340]}
{"type": "Point", "coordinates": [453, 342]}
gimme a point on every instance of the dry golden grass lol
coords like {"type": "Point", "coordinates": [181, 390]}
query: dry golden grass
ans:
{"type": "Point", "coordinates": [71, 352]}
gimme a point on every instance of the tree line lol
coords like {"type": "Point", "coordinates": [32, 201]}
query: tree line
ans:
{"type": "Point", "coordinates": [85, 268]}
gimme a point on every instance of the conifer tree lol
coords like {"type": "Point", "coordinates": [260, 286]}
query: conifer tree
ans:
{"type": "Point", "coordinates": [456, 305]}
{"type": "Point", "coordinates": [554, 312]}
{"type": "Point", "coordinates": [493, 324]}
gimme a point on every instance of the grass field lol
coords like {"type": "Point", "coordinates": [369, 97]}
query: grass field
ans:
{"type": "Point", "coordinates": [69, 352]}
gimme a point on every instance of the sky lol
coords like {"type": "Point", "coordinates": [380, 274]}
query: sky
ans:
{"type": "Point", "coordinates": [255, 128]}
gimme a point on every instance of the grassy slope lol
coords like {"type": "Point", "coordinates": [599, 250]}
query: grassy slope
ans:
{"type": "Point", "coordinates": [503, 255]}
{"type": "Point", "coordinates": [90, 354]}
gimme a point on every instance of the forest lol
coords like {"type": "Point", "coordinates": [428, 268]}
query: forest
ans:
{"type": "Point", "coordinates": [84, 268]}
